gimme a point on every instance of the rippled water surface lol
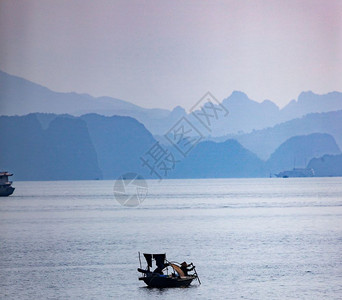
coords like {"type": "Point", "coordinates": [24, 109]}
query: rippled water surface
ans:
{"type": "Point", "coordinates": [249, 239]}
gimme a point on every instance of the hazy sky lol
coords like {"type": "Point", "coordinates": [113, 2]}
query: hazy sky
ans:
{"type": "Point", "coordinates": [168, 53]}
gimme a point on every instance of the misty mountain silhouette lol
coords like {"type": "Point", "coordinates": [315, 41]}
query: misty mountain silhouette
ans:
{"type": "Point", "coordinates": [119, 142]}
{"type": "Point", "coordinates": [62, 151]}
{"type": "Point", "coordinates": [62, 147]}
{"type": "Point", "coordinates": [297, 151]}
{"type": "Point", "coordinates": [220, 160]}
{"type": "Point", "coordinates": [55, 147]}
{"type": "Point", "coordinates": [68, 144]}
{"type": "Point", "coordinates": [264, 142]}
{"type": "Point", "coordinates": [327, 165]}
{"type": "Point", "coordinates": [308, 102]}
{"type": "Point", "coordinates": [20, 97]}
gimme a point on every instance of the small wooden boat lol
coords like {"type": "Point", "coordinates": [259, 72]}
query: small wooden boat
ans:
{"type": "Point", "coordinates": [167, 274]}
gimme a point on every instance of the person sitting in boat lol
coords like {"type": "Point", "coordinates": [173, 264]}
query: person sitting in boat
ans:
{"type": "Point", "coordinates": [187, 268]}
{"type": "Point", "coordinates": [159, 269]}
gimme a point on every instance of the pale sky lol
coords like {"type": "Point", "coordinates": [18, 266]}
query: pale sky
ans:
{"type": "Point", "coordinates": [168, 53]}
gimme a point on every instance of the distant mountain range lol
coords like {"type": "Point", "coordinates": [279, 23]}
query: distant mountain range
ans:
{"type": "Point", "coordinates": [247, 115]}
{"type": "Point", "coordinates": [62, 151]}
{"type": "Point", "coordinates": [20, 97]}
{"type": "Point", "coordinates": [230, 159]}
{"type": "Point", "coordinates": [77, 136]}
{"type": "Point", "coordinates": [265, 141]}
{"type": "Point", "coordinates": [297, 151]}
{"type": "Point", "coordinates": [64, 147]}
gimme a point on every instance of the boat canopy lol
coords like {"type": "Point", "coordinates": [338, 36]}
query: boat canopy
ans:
{"type": "Point", "coordinates": [159, 258]}
{"type": "Point", "coordinates": [178, 270]}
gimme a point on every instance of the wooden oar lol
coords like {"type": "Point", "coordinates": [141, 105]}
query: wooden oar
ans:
{"type": "Point", "coordinates": [199, 281]}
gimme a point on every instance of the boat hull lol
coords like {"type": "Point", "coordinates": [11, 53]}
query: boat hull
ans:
{"type": "Point", "coordinates": [167, 281]}
{"type": "Point", "coordinates": [6, 190]}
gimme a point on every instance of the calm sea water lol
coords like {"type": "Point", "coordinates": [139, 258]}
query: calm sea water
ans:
{"type": "Point", "coordinates": [249, 239]}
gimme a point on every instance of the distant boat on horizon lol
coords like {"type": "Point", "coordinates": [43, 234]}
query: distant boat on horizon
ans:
{"type": "Point", "coordinates": [6, 187]}
{"type": "Point", "coordinates": [296, 172]}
